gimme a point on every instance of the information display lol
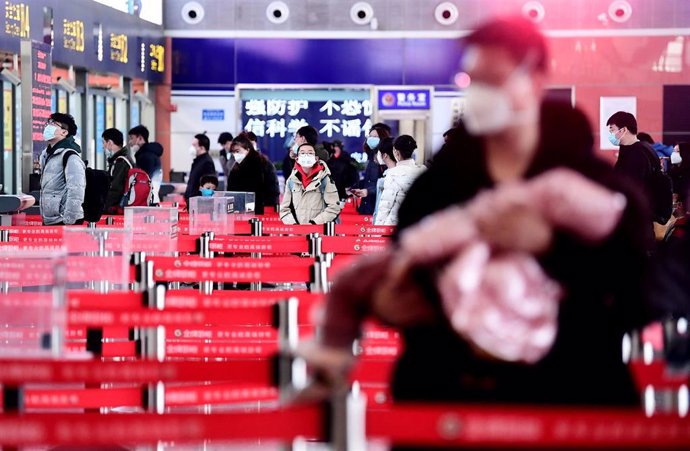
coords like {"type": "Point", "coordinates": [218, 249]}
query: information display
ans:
{"type": "Point", "coordinates": [16, 19]}
{"type": "Point", "coordinates": [41, 94]}
{"type": "Point", "coordinates": [274, 115]}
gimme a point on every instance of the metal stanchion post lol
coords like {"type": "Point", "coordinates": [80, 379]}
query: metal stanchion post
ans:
{"type": "Point", "coordinates": [348, 419]}
{"type": "Point", "coordinates": [205, 286]}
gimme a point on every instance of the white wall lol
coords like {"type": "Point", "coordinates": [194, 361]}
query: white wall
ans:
{"type": "Point", "coordinates": [445, 110]}
{"type": "Point", "coordinates": [187, 121]}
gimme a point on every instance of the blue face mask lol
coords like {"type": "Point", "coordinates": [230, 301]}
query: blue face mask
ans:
{"type": "Point", "coordinates": [206, 192]}
{"type": "Point", "coordinates": [613, 140]}
{"type": "Point", "coordinates": [49, 132]}
{"type": "Point", "coordinates": [373, 142]}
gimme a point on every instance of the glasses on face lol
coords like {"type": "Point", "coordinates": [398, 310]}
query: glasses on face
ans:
{"type": "Point", "coordinates": [57, 124]}
{"type": "Point", "coordinates": [307, 152]}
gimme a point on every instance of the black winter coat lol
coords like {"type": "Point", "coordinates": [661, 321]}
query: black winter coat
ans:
{"type": "Point", "coordinates": [249, 176]}
{"type": "Point", "coordinates": [344, 172]}
{"type": "Point", "coordinates": [201, 166]}
{"type": "Point", "coordinates": [148, 158]}
{"type": "Point", "coordinates": [603, 284]}
{"type": "Point", "coordinates": [118, 170]}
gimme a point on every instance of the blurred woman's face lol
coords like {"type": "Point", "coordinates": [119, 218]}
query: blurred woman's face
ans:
{"type": "Point", "coordinates": [373, 133]}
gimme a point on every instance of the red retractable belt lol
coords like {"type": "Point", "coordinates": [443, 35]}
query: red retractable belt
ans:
{"type": "Point", "coordinates": [526, 427]}
{"type": "Point", "coordinates": [39, 371]}
{"type": "Point", "coordinates": [95, 429]}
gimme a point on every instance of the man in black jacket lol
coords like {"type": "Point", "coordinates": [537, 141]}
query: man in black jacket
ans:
{"type": "Point", "coordinates": [635, 160]}
{"type": "Point", "coordinates": [343, 168]}
{"type": "Point", "coordinates": [147, 155]}
{"type": "Point", "coordinates": [202, 165]}
{"type": "Point", "coordinates": [119, 163]}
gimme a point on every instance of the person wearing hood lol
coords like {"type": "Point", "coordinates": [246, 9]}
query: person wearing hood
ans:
{"type": "Point", "coordinates": [63, 183]}
{"type": "Point", "coordinates": [311, 196]}
{"type": "Point", "coordinates": [119, 163]}
{"type": "Point", "coordinates": [147, 155]}
{"type": "Point", "coordinates": [202, 165]}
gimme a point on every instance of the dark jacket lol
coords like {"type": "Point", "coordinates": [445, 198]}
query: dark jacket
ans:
{"type": "Point", "coordinates": [249, 176]}
{"type": "Point", "coordinates": [148, 158]}
{"type": "Point", "coordinates": [271, 186]}
{"type": "Point", "coordinates": [201, 166]}
{"type": "Point", "coordinates": [344, 172]}
{"type": "Point", "coordinates": [288, 165]}
{"type": "Point", "coordinates": [603, 285]}
{"type": "Point", "coordinates": [372, 173]}
{"type": "Point", "coordinates": [118, 168]}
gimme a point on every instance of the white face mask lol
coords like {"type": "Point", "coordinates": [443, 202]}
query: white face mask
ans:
{"type": "Point", "coordinates": [676, 158]}
{"type": "Point", "coordinates": [239, 157]}
{"type": "Point", "coordinates": [379, 159]}
{"type": "Point", "coordinates": [134, 148]}
{"type": "Point", "coordinates": [306, 161]}
{"type": "Point", "coordinates": [489, 110]}
{"type": "Point", "coordinates": [192, 151]}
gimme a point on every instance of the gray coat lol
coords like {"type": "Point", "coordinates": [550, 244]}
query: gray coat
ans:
{"type": "Point", "coordinates": [62, 192]}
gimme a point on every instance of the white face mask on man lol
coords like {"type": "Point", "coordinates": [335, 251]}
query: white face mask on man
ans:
{"type": "Point", "coordinates": [489, 109]}
{"type": "Point", "coordinates": [306, 161]}
{"type": "Point", "coordinates": [676, 158]}
{"type": "Point", "coordinates": [192, 151]}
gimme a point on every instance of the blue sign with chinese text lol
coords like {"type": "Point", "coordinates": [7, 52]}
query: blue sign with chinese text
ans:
{"type": "Point", "coordinates": [212, 115]}
{"type": "Point", "coordinates": [404, 99]}
{"type": "Point", "coordinates": [275, 115]}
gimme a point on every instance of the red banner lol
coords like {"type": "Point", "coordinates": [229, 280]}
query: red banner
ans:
{"type": "Point", "coordinates": [355, 229]}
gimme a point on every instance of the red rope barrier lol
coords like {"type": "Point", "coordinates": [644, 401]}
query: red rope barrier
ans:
{"type": "Point", "coordinates": [523, 427]}
{"type": "Point", "coordinates": [95, 429]}
{"type": "Point", "coordinates": [258, 372]}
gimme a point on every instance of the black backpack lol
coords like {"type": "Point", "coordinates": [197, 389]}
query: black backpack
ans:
{"type": "Point", "coordinates": [660, 188]}
{"type": "Point", "coordinates": [96, 193]}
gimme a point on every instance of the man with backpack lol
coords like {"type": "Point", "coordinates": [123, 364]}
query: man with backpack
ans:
{"type": "Point", "coordinates": [119, 164]}
{"type": "Point", "coordinates": [639, 162]}
{"type": "Point", "coordinates": [147, 155]}
{"type": "Point", "coordinates": [63, 177]}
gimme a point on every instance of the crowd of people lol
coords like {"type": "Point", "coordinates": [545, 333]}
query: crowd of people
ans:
{"type": "Point", "coordinates": [516, 209]}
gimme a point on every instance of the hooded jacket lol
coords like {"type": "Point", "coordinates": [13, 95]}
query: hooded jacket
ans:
{"type": "Point", "coordinates": [201, 166]}
{"type": "Point", "coordinates": [313, 203]}
{"type": "Point", "coordinates": [148, 158]}
{"type": "Point", "coordinates": [397, 182]}
{"type": "Point", "coordinates": [118, 168]}
{"type": "Point", "coordinates": [62, 190]}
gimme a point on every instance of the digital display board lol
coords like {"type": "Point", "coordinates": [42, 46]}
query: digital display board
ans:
{"type": "Point", "coordinates": [73, 35]}
{"type": "Point", "coordinates": [118, 48]}
{"type": "Point", "coordinates": [41, 94]}
{"type": "Point", "coordinates": [157, 57]}
{"type": "Point", "coordinates": [275, 115]}
{"type": "Point", "coordinates": [17, 19]}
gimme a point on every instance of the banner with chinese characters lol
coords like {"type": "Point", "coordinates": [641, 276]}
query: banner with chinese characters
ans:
{"type": "Point", "coordinates": [274, 115]}
{"type": "Point", "coordinates": [41, 94]}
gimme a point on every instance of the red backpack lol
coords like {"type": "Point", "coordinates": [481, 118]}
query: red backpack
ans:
{"type": "Point", "coordinates": [138, 189]}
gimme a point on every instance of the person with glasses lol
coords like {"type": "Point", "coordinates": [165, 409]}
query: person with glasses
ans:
{"type": "Point", "coordinates": [63, 173]}
{"type": "Point", "coordinates": [311, 196]}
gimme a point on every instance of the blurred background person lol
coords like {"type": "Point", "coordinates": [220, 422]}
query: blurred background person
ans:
{"type": "Point", "coordinates": [202, 165]}
{"type": "Point", "coordinates": [343, 168]}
